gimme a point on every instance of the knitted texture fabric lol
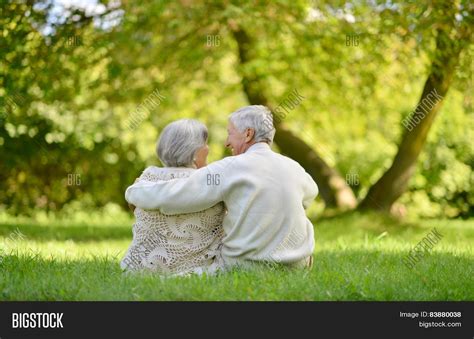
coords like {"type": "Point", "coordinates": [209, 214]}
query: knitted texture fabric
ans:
{"type": "Point", "coordinates": [175, 244]}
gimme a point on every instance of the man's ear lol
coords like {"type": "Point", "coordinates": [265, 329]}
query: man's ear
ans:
{"type": "Point", "coordinates": [249, 134]}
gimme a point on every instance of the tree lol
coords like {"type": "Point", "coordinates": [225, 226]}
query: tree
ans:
{"type": "Point", "coordinates": [449, 44]}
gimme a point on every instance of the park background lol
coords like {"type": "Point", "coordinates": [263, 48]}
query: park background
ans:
{"type": "Point", "coordinates": [382, 120]}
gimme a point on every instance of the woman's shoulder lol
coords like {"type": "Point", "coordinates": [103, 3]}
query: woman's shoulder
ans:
{"type": "Point", "coordinates": [154, 173]}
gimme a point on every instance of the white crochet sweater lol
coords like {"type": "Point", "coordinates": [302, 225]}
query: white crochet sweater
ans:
{"type": "Point", "coordinates": [175, 244]}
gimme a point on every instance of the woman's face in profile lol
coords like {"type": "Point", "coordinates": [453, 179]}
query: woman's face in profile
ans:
{"type": "Point", "coordinates": [201, 156]}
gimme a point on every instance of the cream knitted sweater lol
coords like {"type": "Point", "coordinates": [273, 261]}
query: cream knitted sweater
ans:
{"type": "Point", "coordinates": [175, 244]}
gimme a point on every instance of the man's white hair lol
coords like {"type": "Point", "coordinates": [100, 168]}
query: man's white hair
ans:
{"type": "Point", "coordinates": [179, 142]}
{"type": "Point", "coordinates": [257, 117]}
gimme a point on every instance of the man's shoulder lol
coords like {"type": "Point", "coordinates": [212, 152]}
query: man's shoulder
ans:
{"type": "Point", "coordinates": [289, 162]}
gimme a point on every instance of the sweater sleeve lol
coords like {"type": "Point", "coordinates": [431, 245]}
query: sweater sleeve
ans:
{"type": "Point", "coordinates": [201, 190]}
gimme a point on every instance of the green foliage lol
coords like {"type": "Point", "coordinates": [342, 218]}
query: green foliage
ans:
{"type": "Point", "coordinates": [444, 181]}
{"type": "Point", "coordinates": [68, 88]}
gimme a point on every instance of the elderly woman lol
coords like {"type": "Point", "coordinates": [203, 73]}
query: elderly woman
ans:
{"type": "Point", "coordinates": [177, 244]}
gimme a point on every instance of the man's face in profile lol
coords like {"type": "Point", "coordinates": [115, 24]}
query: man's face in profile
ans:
{"type": "Point", "coordinates": [238, 141]}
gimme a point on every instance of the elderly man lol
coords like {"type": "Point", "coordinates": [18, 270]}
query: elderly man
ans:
{"type": "Point", "coordinates": [265, 194]}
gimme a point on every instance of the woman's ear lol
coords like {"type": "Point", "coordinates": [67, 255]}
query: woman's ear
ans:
{"type": "Point", "coordinates": [249, 134]}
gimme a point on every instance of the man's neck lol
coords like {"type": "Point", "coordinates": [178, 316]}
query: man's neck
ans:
{"type": "Point", "coordinates": [256, 144]}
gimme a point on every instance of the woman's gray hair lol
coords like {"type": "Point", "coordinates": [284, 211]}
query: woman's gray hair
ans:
{"type": "Point", "coordinates": [257, 117]}
{"type": "Point", "coordinates": [179, 142]}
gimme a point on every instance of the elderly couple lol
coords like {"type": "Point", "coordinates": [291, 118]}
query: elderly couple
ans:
{"type": "Point", "coordinates": [242, 211]}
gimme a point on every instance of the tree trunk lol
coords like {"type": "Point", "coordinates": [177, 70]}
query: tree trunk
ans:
{"type": "Point", "coordinates": [333, 188]}
{"type": "Point", "coordinates": [394, 181]}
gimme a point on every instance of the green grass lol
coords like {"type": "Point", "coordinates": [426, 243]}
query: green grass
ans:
{"type": "Point", "coordinates": [357, 257]}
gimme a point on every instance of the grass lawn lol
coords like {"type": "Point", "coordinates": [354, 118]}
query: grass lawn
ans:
{"type": "Point", "coordinates": [357, 257]}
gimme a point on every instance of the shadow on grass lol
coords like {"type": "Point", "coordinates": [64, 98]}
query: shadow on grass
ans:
{"type": "Point", "coordinates": [77, 233]}
{"type": "Point", "coordinates": [86, 233]}
{"type": "Point", "coordinates": [374, 220]}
